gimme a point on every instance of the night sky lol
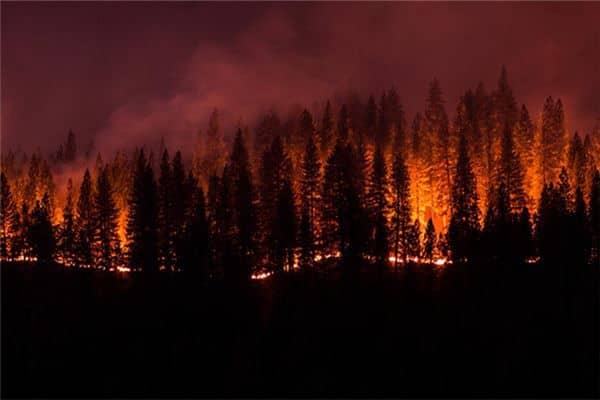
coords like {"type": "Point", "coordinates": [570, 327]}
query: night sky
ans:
{"type": "Point", "coordinates": [128, 73]}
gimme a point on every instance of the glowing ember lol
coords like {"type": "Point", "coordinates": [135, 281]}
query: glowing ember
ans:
{"type": "Point", "coordinates": [123, 269]}
{"type": "Point", "coordinates": [261, 275]}
{"type": "Point", "coordinates": [441, 262]}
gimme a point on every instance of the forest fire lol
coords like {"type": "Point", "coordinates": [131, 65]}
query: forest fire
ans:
{"type": "Point", "coordinates": [364, 184]}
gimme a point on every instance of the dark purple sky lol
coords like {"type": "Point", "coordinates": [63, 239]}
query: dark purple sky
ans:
{"type": "Point", "coordinates": [128, 73]}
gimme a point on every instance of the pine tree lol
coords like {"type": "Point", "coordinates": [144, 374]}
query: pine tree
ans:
{"type": "Point", "coordinates": [84, 222]}
{"type": "Point", "coordinates": [40, 234]}
{"type": "Point", "coordinates": [68, 233]}
{"type": "Point", "coordinates": [436, 126]}
{"type": "Point", "coordinates": [343, 215]}
{"type": "Point", "coordinates": [275, 170]}
{"type": "Point", "coordinates": [379, 207]}
{"type": "Point", "coordinates": [244, 216]}
{"type": "Point", "coordinates": [400, 208]}
{"type": "Point", "coordinates": [414, 243]}
{"type": "Point", "coordinates": [420, 166]}
{"type": "Point", "coordinates": [565, 190]}
{"type": "Point", "coordinates": [309, 184]}
{"type": "Point", "coordinates": [8, 218]}
{"type": "Point", "coordinates": [525, 146]}
{"type": "Point", "coordinates": [106, 240]}
{"type": "Point", "coordinates": [195, 253]}
{"type": "Point", "coordinates": [510, 172]}
{"type": "Point", "coordinates": [505, 107]}
{"type": "Point", "coordinates": [285, 227]}
{"type": "Point", "coordinates": [576, 162]}
{"type": "Point", "coordinates": [464, 224]}
{"type": "Point", "coordinates": [180, 198]}
{"type": "Point", "coordinates": [552, 140]}
{"type": "Point", "coordinates": [142, 229]}
{"type": "Point", "coordinates": [165, 213]}
{"type": "Point", "coordinates": [429, 243]}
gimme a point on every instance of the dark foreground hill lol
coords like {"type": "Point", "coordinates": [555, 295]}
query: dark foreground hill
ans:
{"type": "Point", "coordinates": [479, 331]}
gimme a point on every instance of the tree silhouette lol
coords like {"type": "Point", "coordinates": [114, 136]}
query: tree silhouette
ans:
{"type": "Point", "coordinates": [68, 234]}
{"type": "Point", "coordinates": [244, 215]}
{"type": "Point", "coordinates": [275, 171]}
{"type": "Point", "coordinates": [464, 224]}
{"type": "Point", "coordinates": [142, 228]}
{"type": "Point", "coordinates": [195, 252]}
{"type": "Point", "coordinates": [400, 208]}
{"type": "Point", "coordinates": [285, 227]}
{"type": "Point", "coordinates": [309, 184]}
{"type": "Point", "coordinates": [8, 219]}
{"type": "Point", "coordinates": [379, 207]}
{"type": "Point", "coordinates": [429, 242]}
{"type": "Point", "coordinates": [84, 222]}
{"type": "Point", "coordinates": [510, 172]}
{"type": "Point", "coordinates": [106, 240]}
{"type": "Point", "coordinates": [41, 235]}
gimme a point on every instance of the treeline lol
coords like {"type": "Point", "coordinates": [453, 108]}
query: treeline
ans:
{"type": "Point", "coordinates": [363, 187]}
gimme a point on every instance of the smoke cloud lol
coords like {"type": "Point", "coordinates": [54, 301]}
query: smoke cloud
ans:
{"type": "Point", "coordinates": [128, 74]}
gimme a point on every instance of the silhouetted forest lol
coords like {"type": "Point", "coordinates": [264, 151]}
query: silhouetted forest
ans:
{"type": "Point", "coordinates": [333, 252]}
{"type": "Point", "coordinates": [490, 186]}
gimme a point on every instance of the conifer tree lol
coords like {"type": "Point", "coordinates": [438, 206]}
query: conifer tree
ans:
{"type": "Point", "coordinates": [400, 208]}
{"type": "Point", "coordinates": [414, 243]}
{"type": "Point", "coordinates": [84, 222]}
{"type": "Point", "coordinates": [106, 240]}
{"type": "Point", "coordinates": [165, 213]}
{"type": "Point", "coordinates": [195, 253]}
{"type": "Point", "coordinates": [464, 224]}
{"type": "Point", "coordinates": [285, 227]}
{"type": "Point", "coordinates": [68, 234]}
{"type": "Point", "coordinates": [552, 140]}
{"type": "Point", "coordinates": [309, 184]}
{"type": "Point", "coordinates": [510, 172]}
{"type": "Point", "coordinates": [436, 126]}
{"type": "Point", "coordinates": [244, 216]}
{"type": "Point", "coordinates": [180, 198]}
{"type": "Point", "coordinates": [429, 242]}
{"type": "Point", "coordinates": [274, 171]}
{"type": "Point", "coordinates": [343, 214]}
{"type": "Point", "coordinates": [379, 206]}
{"type": "Point", "coordinates": [40, 234]}
{"type": "Point", "coordinates": [142, 229]}
{"type": "Point", "coordinates": [8, 219]}
{"type": "Point", "coordinates": [505, 107]}
{"type": "Point", "coordinates": [526, 146]}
